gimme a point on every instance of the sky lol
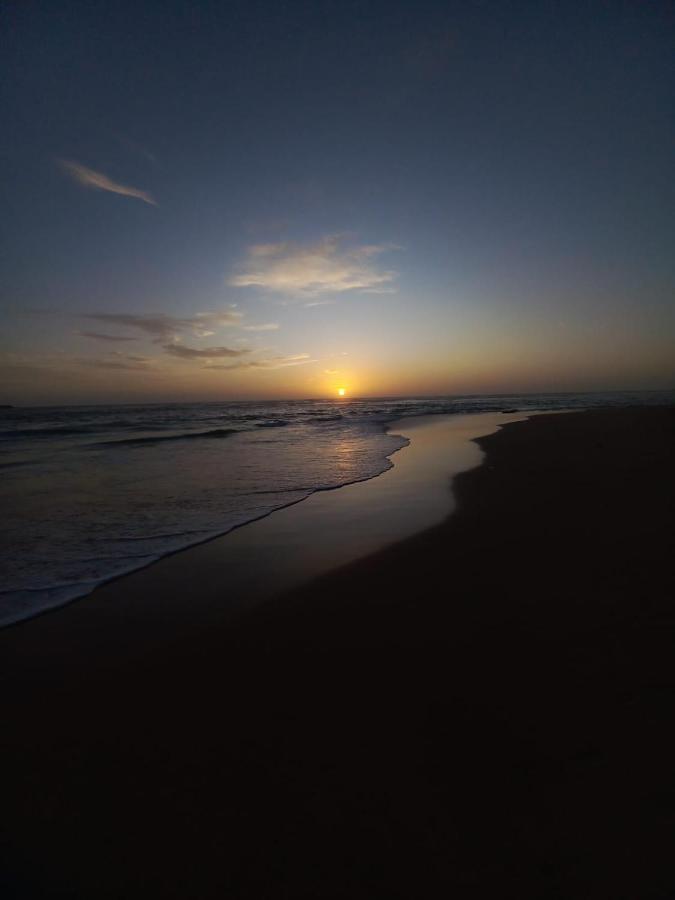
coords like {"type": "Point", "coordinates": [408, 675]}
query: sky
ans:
{"type": "Point", "coordinates": [209, 200]}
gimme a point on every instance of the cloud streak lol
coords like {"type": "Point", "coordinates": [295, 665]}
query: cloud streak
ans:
{"type": "Point", "coordinates": [267, 326]}
{"type": "Point", "coordinates": [183, 352]}
{"type": "Point", "coordinates": [110, 338]}
{"type": "Point", "coordinates": [89, 178]}
{"type": "Point", "coordinates": [118, 361]}
{"type": "Point", "coordinates": [324, 267]}
{"type": "Point", "coordinates": [274, 362]}
{"type": "Point", "coordinates": [165, 327]}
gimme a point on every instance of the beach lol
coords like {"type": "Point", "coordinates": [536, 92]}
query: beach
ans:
{"type": "Point", "coordinates": [479, 709]}
{"type": "Point", "coordinates": [276, 553]}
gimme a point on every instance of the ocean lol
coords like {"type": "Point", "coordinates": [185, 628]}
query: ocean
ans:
{"type": "Point", "coordinates": [91, 493]}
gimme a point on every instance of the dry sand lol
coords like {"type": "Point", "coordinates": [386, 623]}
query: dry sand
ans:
{"type": "Point", "coordinates": [484, 710]}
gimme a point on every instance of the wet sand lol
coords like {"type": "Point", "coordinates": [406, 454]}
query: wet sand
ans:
{"type": "Point", "coordinates": [207, 585]}
{"type": "Point", "coordinates": [482, 710]}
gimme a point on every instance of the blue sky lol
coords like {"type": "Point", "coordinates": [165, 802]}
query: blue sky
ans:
{"type": "Point", "coordinates": [258, 200]}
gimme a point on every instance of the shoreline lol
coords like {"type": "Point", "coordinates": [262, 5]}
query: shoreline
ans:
{"type": "Point", "coordinates": [187, 547]}
{"type": "Point", "coordinates": [77, 562]}
{"type": "Point", "coordinates": [216, 536]}
{"type": "Point", "coordinates": [235, 558]}
{"type": "Point", "coordinates": [482, 709]}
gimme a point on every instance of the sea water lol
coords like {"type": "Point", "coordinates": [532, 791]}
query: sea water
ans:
{"type": "Point", "coordinates": [91, 493]}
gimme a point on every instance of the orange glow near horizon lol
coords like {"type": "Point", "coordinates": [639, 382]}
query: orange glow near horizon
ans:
{"type": "Point", "coordinates": [341, 392]}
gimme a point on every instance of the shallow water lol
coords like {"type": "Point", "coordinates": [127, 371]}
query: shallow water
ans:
{"type": "Point", "coordinates": [89, 493]}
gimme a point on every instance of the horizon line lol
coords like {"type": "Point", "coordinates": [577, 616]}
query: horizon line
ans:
{"type": "Point", "coordinates": [334, 399]}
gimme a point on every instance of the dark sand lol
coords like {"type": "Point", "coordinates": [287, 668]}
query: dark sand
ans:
{"type": "Point", "coordinates": [485, 710]}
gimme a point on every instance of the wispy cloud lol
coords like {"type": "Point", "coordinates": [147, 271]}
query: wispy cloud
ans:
{"type": "Point", "coordinates": [170, 332]}
{"type": "Point", "coordinates": [327, 266]}
{"type": "Point", "coordinates": [110, 338]}
{"type": "Point", "coordinates": [267, 326]}
{"type": "Point", "coordinates": [111, 364]}
{"type": "Point", "coordinates": [165, 327]}
{"type": "Point", "coordinates": [121, 361]}
{"type": "Point", "coordinates": [183, 352]}
{"type": "Point", "coordinates": [274, 362]}
{"type": "Point", "coordinates": [130, 357]}
{"type": "Point", "coordinates": [91, 179]}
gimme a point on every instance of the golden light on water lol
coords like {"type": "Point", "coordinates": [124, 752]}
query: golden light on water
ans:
{"type": "Point", "coordinates": [341, 392]}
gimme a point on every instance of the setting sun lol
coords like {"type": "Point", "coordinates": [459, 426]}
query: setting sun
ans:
{"type": "Point", "coordinates": [456, 215]}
